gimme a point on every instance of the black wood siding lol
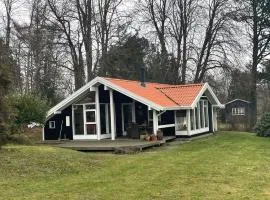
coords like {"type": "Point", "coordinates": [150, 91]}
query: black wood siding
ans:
{"type": "Point", "coordinates": [54, 134]}
{"type": "Point", "coordinates": [237, 119]}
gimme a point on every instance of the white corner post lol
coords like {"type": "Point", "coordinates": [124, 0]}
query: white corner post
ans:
{"type": "Point", "coordinates": [97, 113]}
{"type": "Point", "coordinates": [155, 122]}
{"type": "Point", "coordinates": [188, 123]}
{"type": "Point", "coordinates": [112, 113]}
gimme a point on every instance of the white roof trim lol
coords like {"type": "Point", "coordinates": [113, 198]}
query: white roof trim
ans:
{"type": "Point", "coordinates": [62, 104]}
{"type": "Point", "coordinates": [204, 88]}
{"type": "Point", "coordinates": [70, 99]}
{"type": "Point", "coordinates": [73, 97]}
{"type": "Point", "coordinates": [237, 100]}
{"type": "Point", "coordinates": [130, 94]}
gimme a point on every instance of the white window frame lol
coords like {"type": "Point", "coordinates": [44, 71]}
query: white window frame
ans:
{"type": "Point", "coordinates": [238, 111]}
{"type": "Point", "coordinates": [85, 120]}
{"type": "Point", "coordinates": [85, 135]}
{"type": "Point", "coordinates": [51, 126]}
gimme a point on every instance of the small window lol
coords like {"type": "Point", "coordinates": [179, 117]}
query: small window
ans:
{"type": "Point", "coordinates": [67, 120]}
{"type": "Point", "coordinates": [238, 111]}
{"type": "Point", "coordinates": [51, 124]}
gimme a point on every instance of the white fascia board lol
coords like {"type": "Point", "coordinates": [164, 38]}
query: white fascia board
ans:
{"type": "Point", "coordinates": [214, 96]}
{"type": "Point", "coordinates": [206, 87]}
{"type": "Point", "coordinates": [178, 108]}
{"type": "Point", "coordinates": [70, 99]}
{"type": "Point", "coordinates": [237, 100]}
{"type": "Point", "coordinates": [131, 95]}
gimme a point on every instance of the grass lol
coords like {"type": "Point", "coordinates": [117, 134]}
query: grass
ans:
{"type": "Point", "coordinates": [229, 165]}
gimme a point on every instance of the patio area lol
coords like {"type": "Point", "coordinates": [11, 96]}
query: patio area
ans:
{"type": "Point", "coordinates": [120, 145]}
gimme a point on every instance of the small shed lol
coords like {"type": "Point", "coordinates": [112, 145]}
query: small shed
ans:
{"type": "Point", "coordinates": [237, 114]}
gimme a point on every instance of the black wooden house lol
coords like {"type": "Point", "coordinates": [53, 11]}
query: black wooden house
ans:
{"type": "Point", "coordinates": [237, 114]}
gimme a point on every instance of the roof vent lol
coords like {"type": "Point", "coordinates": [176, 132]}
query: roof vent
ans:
{"type": "Point", "coordinates": [142, 77]}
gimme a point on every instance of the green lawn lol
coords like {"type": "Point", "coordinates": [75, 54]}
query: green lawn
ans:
{"type": "Point", "coordinates": [225, 166]}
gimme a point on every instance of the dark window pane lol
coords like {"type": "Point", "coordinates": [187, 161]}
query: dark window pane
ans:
{"type": "Point", "coordinates": [90, 116]}
{"type": "Point", "coordinates": [91, 129]}
{"type": "Point", "coordinates": [78, 119]}
{"type": "Point", "coordinates": [90, 106]}
{"type": "Point", "coordinates": [103, 118]}
{"type": "Point", "coordinates": [88, 98]}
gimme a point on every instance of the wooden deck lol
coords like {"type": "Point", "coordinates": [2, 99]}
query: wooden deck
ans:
{"type": "Point", "coordinates": [119, 145]}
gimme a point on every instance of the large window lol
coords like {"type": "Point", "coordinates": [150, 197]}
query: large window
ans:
{"type": "Point", "coordinates": [85, 119]}
{"type": "Point", "coordinates": [197, 114]}
{"type": "Point", "coordinates": [206, 115]}
{"type": "Point", "coordinates": [78, 119]}
{"type": "Point", "coordinates": [200, 115]}
{"type": "Point", "coordinates": [105, 121]}
{"type": "Point", "coordinates": [192, 125]}
{"type": "Point", "coordinates": [238, 111]}
{"type": "Point", "coordinates": [181, 120]}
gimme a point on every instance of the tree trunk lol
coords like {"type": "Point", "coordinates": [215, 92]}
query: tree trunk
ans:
{"type": "Point", "coordinates": [184, 24]}
{"type": "Point", "coordinates": [255, 50]}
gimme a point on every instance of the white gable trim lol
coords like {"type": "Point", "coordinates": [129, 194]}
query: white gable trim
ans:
{"type": "Point", "coordinates": [130, 94]}
{"type": "Point", "coordinates": [205, 87]}
{"type": "Point", "coordinates": [67, 101]}
{"type": "Point", "coordinates": [108, 84]}
{"type": "Point", "coordinates": [75, 96]}
{"type": "Point", "coordinates": [237, 100]}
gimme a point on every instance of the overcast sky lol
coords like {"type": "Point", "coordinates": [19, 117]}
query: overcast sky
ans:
{"type": "Point", "coordinates": [21, 14]}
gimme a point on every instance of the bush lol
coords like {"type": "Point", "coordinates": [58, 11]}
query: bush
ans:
{"type": "Point", "coordinates": [7, 115]}
{"type": "Point", "coordinates": [3, 139]}
{"type": "Point", "coordinates": [262, 128]}
{"type": "Point", "coordinates": [30, 108]}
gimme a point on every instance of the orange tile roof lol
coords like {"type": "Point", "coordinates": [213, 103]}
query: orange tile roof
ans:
{"type": "Point", "coordinates": [164, 95]}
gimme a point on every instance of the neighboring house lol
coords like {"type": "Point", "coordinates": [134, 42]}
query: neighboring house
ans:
{"type": "Point", "coordinates": [106, 107]}
{"type": "Point", "coordinates": [237, 113]}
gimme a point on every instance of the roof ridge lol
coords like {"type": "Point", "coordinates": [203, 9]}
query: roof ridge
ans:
{"type": "Point", "coordinates": [128, 80]}
{"type": "Point", "coordinates": [177, 86]}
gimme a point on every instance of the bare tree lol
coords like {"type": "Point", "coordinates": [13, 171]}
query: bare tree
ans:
{"type": "Point", "coordinates": [85, 13]}
{"type": "Point", "coordinates": [156, 15]}
{"type": "Point", "coordinates": [9, 4]}
{"type": "Point", "coordinates": [156, 12]}
{"type": "Point", "coordinates": [64, 15]}
{"type": "Point", "coordinates": [106, 22]}
{"type": "Point", "coordinates": [256, 14]}
{"type": "Point", "coordinates": [181, 20]}
{"type": "Point", "coordinates": [218, 38]}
